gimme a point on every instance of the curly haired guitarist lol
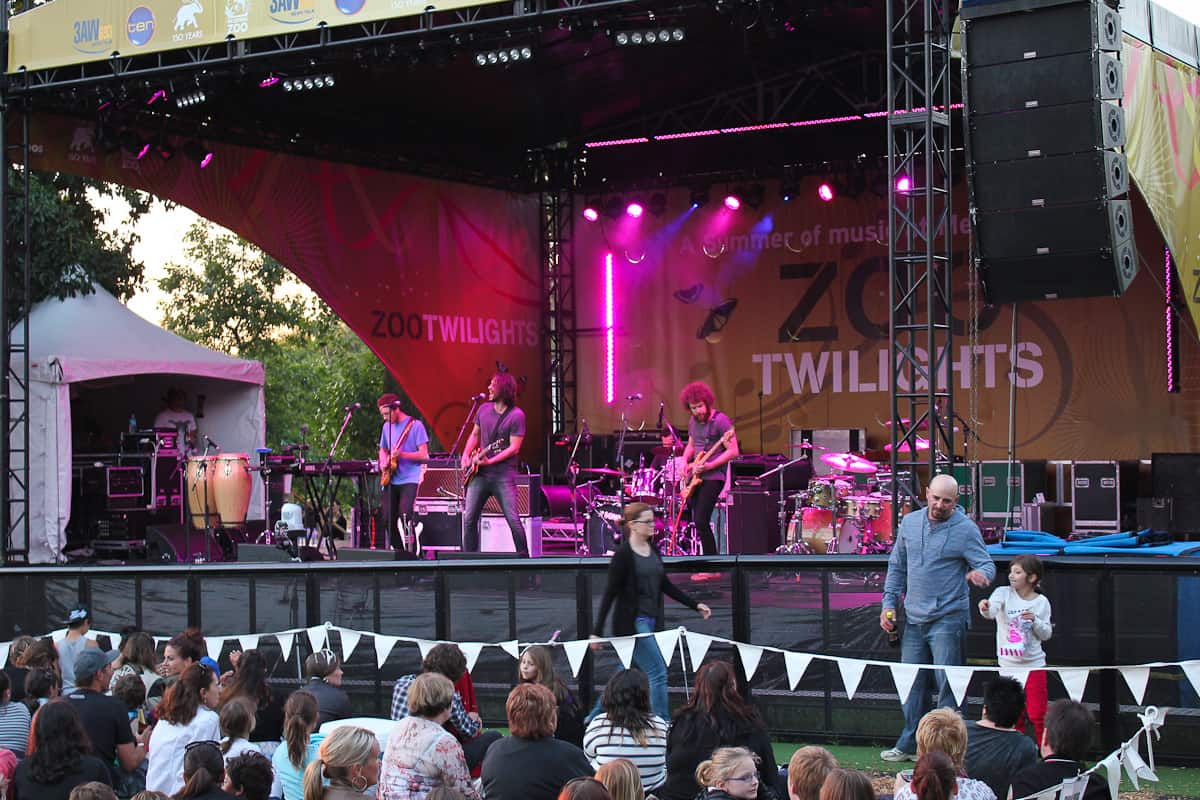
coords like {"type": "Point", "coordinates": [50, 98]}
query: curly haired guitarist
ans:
{"type": "Point", "coordinates": [403, 448]}
{"type": "Point", "coordinates": [706, 428]}
{"type": "Point", "coordinates": [492, 447]}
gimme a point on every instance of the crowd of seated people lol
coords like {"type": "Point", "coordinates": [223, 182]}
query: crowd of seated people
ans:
{"type": "Point", "coordinates": [132, 725]}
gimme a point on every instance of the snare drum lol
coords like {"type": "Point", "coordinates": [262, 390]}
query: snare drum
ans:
{"type": "Point", "coordinates": [825, 493]}
{"type": "Point", "coordinates": [643, 486]}
{"type": "Point", "coordinates": [862, 507]}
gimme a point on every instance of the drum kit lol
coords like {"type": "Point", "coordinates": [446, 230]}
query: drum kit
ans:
{"type": "Point", "coordinates": [844, 512]}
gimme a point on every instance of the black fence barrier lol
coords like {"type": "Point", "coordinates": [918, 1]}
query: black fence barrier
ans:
{"type": "Point", "coordinates": [1106, 611]}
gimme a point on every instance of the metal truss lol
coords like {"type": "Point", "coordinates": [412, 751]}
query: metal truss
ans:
{"type": "Point", "coordinates": [779, 98]}
{"type": "Point", "coordinates": [321, 44]}
{"type": "Point", "coordinates": [14, 361]}
{"type": "Point", "coordinates": [919, 254]}
{"type": "Point", "coordinates": [555, 175]}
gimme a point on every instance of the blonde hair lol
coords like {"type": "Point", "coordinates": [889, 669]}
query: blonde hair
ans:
{"type": "Point", "coordinates": [722, 765]}
{"type": "Point", "coordinates": [622, 779]}
{"type": "Point", "coordinates": [429, 694]}
{"type": "Point", "coordinates": [342, 749]}
{"type": "Point", "coordinates": [943, 729]}
{"type": "Point", "coordinates": [807, 770]}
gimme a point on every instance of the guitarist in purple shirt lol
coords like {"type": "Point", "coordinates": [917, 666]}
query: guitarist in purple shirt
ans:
{"type": "Point", "coordinates": [403, 448]}
{"type": "Point", "coordinates": [490, 461]}
{"type": "Point", "coordinates": [705, 431]}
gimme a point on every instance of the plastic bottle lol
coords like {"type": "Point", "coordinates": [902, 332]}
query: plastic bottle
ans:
{"type": "Point", "coordinates": [894, 634]}
{"type": "Point", "coordinates": [132, 423]}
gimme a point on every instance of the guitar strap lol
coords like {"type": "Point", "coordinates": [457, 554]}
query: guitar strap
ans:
{"type": "Point", "coordinates": [496, 429]}
{"type": "Point", "coordinates": [403, 434]}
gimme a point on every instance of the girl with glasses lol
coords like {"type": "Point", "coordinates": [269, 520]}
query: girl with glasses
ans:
{"type": "Point", "coordinates": [731, 774]}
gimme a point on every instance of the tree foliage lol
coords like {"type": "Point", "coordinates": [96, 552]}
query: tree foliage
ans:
{"type": "Point", "coordinates": [70, 247]}
{"type": "Point", "coordinates": [243, 302]}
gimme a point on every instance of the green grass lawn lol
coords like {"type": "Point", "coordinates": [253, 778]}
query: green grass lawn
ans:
{"type": "Point", "coordinates": [1173, 781]}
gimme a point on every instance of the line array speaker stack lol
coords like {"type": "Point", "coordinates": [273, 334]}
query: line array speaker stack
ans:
{"type": "Point", "coordinates": [1047, 180]}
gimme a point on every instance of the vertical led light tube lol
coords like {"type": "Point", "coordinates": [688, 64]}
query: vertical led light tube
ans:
{"type": "Point", "coordinates": [1169, 311]}
{"type": "Point", "coordinates": [609, 356]}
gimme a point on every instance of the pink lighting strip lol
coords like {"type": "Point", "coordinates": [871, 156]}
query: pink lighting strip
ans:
{"type": "Point", "coordinates": [609, 358]}
{"type": "Point", "coordinates": [1169, 300]}
{"type": "Point", "coordinates": [766, 126]}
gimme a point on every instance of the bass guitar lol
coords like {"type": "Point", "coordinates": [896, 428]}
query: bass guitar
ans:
{"type": "Point", "coordinates": [686, 489]}
{"type": "Point", "coordinates": [477, 458]}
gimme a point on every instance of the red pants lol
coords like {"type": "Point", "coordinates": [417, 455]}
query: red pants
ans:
{"type": "Point", "coordinates": [1035, 703]}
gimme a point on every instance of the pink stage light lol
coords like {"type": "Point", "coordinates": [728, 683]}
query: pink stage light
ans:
{"type": "Point", "coordinates": [609, 357]}
{"type": "Point", "coordinates": [145, 149]}
{"type": "Point", "coordinates": [635, 210]}
{"type": "Point", "coordinates": [666, 137]}
{"type": "Point", "coordinates": [591, 214]}
{"type": "Point", "coordinates": [617, 142]}
{"type": "Point", "coordinates": [904, 184]}
{"type": "Point", "coordinates": [1169, 330]}
{"type": "Point", "coordinates": [161, 94]}
{"type": "Point", "coordinates": [825, 192]}
{"type": "Point", "coordinates": [732, 202]}
{"type": "Point", "coordinates": [268, 81]}
{"type": "Point", "coordinates": [204, 162]}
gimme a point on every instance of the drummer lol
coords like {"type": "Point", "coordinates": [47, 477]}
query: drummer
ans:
{"type": "Point", "coordinates": [668, 459]}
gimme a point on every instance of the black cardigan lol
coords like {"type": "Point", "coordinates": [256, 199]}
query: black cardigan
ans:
{"type": "Point", "coordinates": [622, 587]}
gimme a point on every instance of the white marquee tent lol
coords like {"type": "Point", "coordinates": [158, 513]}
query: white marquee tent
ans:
{"type": "Point", "coordinates": [93, 364]}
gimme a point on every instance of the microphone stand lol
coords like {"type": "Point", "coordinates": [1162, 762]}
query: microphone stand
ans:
{"type": "Point", "coordinates": [466, 424]}
{"type": "Point", "coordinates": [785, 546]}
{"type": "Point", "coordinates": [581, 547]}
{"type": "Point", "coordinates": [620, 465]}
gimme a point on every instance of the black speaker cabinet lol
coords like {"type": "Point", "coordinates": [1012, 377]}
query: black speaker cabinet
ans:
{"type": "Point", "coordinates": [184, 543]}
{"type": "Point", "coordinates": [753, 522]}
{"type": "Point", "coordinates": [1077, 27]}
{"type": "Point", "coordinates": [1038, 82]}
{"type": "Point", "coordinates": [1091, 176]}
{"type": "Point", "coordinates": [1038, 132]}
{"type": "Point", "coordinates": [1059, 276]}
{"type": "Point", "coordinates": [1087, 227]}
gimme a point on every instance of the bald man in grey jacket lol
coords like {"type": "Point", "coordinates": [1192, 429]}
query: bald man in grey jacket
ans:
{"type": "Point", "coordinates": [938, 552]}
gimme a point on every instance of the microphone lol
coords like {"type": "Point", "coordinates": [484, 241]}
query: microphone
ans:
{"type": "Point", "coordinates": [211, 443]}
{"type": "Point", "coordinates": [634, 396]}
{"type": "Point", "coordinates": [475, 398]}
{"type": "Point", "coordinates": [352, 407]}
{"type": "Point", "coordinates": [662, 410]}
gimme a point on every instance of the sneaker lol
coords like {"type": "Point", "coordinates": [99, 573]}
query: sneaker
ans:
{"type": "Point", "coordinates": [896, 754]}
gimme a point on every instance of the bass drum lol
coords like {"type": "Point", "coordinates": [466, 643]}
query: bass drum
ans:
{"type": "Point", "coordinates": [820, 536]}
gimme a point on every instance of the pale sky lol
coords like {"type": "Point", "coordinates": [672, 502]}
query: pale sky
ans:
{"type": "Point", "coordinates": [1188, 9]}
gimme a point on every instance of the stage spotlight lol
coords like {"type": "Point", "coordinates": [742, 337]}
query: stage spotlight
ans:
{"type": "Point", "coordinates": [903, 184]}
{"type": "Point", "coordinates": [160, 94]}
{"type": "Point", "coordinates": [699, 196]}
{"type": "Point", "coordinates": [308, 83]}
{"type": "Point", "coordinates": [591, 214]}
{"type": "Point", "coordinates": [504, 55]}
{"type": "Point", "coordinates": [825, 192]}
{"type": "Point", "coordinates": [188, 99]}
{"type": "Point", "coordinates": [733, 202]}
{"type": "Point", "coordinates": [658, 204]}
{"type": "Point", "coordinates": [268, 82]}
{"type": "Point", "coordinates": [635, 210]}
{"type": "Point", "coordinates": [651, 36]}
{"type": "Point", "coordinates": [198, 153]}
{"type": "Point", "coordinates": [614, 207]}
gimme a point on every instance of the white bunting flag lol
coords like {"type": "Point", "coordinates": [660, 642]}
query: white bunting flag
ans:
{"type": "Point", "coordinates": [575, 651]}
{"type": "Point", "coordinates": [667, 640]}
{"type": "Point", "coordinates": [317, 636]}
{"type": "Point", "coordinates": [248, 641]}
{"type": "Point", "coordinates": [697, 645]}
{"type": "Point", "coordinates": [1075, 679]}
{"type": "Point", "coordinates": [511, 647]}
{"type": "Point", "coordinates": [471, 651]}
{"type": "Point", "coordinates": [285, 644]}
{"type": "Point", "coordinates": [1135, 767]}
{"type": "Point", "coordinates": [4, 653]}
{"type": "Point", "coordinates": [852, 672]}
{"type": "Point", "coordinates": [349, 639]}
{"type": "Point", "coordinates": [1021, 676]}
{"type": "Point", "coordinates": [383, 648]}
{"type": "Point", "coordinates": [958, 678]}
{"type": "Point", "coordinates": [750, 655]}
{"type": "Point", "coordinates": [624, 646]}
{"type": "Point", "coordinates": [424, 645]}
{"type": "Point", "coordinates": [904, 675]}
{"type": "Point", "coordinates": [160, 639]}
{"type": "Point", "coordinates": [1136, 679]}
{"type": "Point", "coordinates": [1192, 670]}
{"type": "Point", "coordinates": [215, 645]}
{"type": "Point", "coordinates": [796, 664]}
{"type": "Point", "coordinates": [1112, 766]}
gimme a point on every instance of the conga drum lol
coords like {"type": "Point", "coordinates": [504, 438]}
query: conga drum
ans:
{"type": "Point", "coordinates": [198, 477]}
{"type": "Point", "coordinates": [231, 482]}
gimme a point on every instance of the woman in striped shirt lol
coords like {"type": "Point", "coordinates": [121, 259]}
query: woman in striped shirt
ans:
{"type": "Point", "coordinates": [628, 729]}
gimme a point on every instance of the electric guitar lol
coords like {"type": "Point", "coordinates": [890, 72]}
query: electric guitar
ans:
{"type": "Point", "coordinates": [388, 469]}
{"type": "Point", "coordinates": [686, 489]}
{"type": "Point", "coordinates": [477, 458]}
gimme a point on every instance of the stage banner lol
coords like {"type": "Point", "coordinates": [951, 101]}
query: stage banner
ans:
{"type": "Point", "coordinates": [1162, 116]}
{"type": "Point", "coordinates": [441, 280]}
{"type": "Point", "coordinates": [69, 32]}
{"type": "Point", "coordinates": [784, 308]}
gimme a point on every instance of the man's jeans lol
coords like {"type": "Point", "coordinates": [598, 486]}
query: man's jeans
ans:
{"type": "Point", "coordinates": [502, 486]}
{"type": "Point", "coordinates": [939, 642]}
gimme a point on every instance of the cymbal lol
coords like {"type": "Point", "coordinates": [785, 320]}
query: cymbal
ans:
{"type": "Point", "coordinates": [850, 462]}
{"type": "Point", "coordinates": [922, 444]}
{"type": "Point", "coordinates": [616, 473]}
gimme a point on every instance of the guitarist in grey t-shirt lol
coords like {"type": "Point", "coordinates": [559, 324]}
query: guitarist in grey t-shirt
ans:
{"type": "Point", "coordinates": [490, 462]}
